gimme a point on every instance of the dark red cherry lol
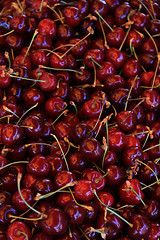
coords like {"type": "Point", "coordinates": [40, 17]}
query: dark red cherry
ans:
{"type": "Point", "coordinates": [18, 230]}
{"type": "Point", "coordinates": [109, 159]}
{"type": "Point", "coordinates": [54, 106]}
{"type": "Point", "coordinates": [84, 78]}
{"type": "Point", "coordinates": [141, 227]}
{"type": "Point", "coordinates": [39, 57]}
{"type": "Point", "coordinates": [72, 15]}
{"type": "Point", "coordinates": [92, 108]}
{"type": "Point", "coordinates": [115, 175]}
{"type": "Point", "coordinates": [112, 223]}
{"type": "Point", "coordinates": [155, 231]}
{"type": "Point", "coordinates": [79, 96]}
{"type": "Point", "coordinates": [38, 166]}
{"type": "Point", "coordinates": [32, 95]}
{"type": "Point", "coordinates": [106, 198]}
{"type": "Point", "coordinates": [55, 150]}
{"type": "Point", "coordinates": [11, 135]}
{"type": "Point", "coordinates": [96, 54]}
{"type": "Point", "coordinates": [76, 235]}
{"type": "Point", "coordinates": [44, 185]}
{"type": "Point", "coordinates": [64, 31]}
{"type": "Point", "coordinates": [148, 46]}
{"type": "Point", "coordinates": [117, 140]}
{"type": "Point", "coordinates": [5, 79]}
{"type": "Point", "coordinates": [29, 181]}
{"type": "Point", "coordinates": [19, 23]}
{"type": "Point", "coordinates": [57, 62]}
{"type": "Point", "coordinates": [74, 213]}
{"type": "Point", "coordinates": [152, 99]}
{"type": "Point", "coordinates": [63, 199]}
{"type": "Point", "coordinates": [83, 190]}
{"type": "Point", "coordinates": [128, 195]}
{"type": "Point", "coordinates": [57, 164]}
{"type": "Point", "coordinates": [91, 149]}
{"type": "Point", "coordinates": [107, 69]}
{"type": "Point", "coordinates": [99, 6]}
{"type": "Point", "coordinates": [116, 57]}
{"type": "Point", "coordinates": [131, 68]}
{"type": "Point", "coordinates": [141, 21]}
{"type": "Point", "coordinates": [126, 120]}
{"type": "Point", "coordinates": [47, 26]}
{"type": "Point", "coordinates": [18, 201]}
{"type": "Point", "coordinates": [14, 41]}
{"type": "Point", "coordinates": [97, 179]}
{"type": "Point", "coordinates": [114, 82]}
{"type": "Point", "coordinates": [115, 37]}
{"type": "Point", "coordinates": [63, 178]}
{"type": "Point", "coordinates": [139, 112]}
{"type": "Point", "coordinates": [4, 106]}
{"type": "Point", "coordinates": [130, 154]}
{"type": "Point", "coordinates": [121, 13]}
{"type": "Point", "coordinates": [150, 210]}
{"type": "Point", "coordinates": [42, 41]}
{"type": "Point", "coordinates": [119, 97]}
{"type": "Point", "coordinates": [81, 131]}
{"type": "Point", "coordinates": [41, 236]}
{"type": "Point", "coordinates": [55, 223]}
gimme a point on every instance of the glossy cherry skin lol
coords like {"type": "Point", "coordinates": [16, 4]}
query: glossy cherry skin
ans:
{"type": "Point", "coordinates": [155, 231]}
{"type": "Point", "coordinates": [115, 37]}
{"type": "Point", "coordinates": [19, 23]}
{"type": "Point", "coordinates": [150, 210]}
{"type": "Point", "coordinates": [13, 107]}
{"type": "Point", "coordinates": [29, 181]}
{"type": "Point", "coordinates": [63, 178]}
{"type": "Point", "coordinates": [126, 120]}
{"type": "Point", "coordinates": [115, 175]}
{"type": "Point", "coordinates": [113, 223]}
{"type": "Point", "coordinates": [39, 57]}
{"type": "Point", "coordinates": [119, 97]}
{"type": "Point", "coordinates": [11, 135]}
{"type": "Point", "coordinates": [50, 82]}
{"type": "Point", "coordinates": [106, 198]}
{"type": "Point", "coordinates": [146, 175]}
{"type": "Point", "coordinates": [31, 96]}
{"type": "Point", "coordinates": [14, 41]}
{"type": "Point", "coordinates": [47, 26]}
{"type": "Point", "coordinates": [64, 31]}
{"type": "Point", "coordinates": [121, 13]}
{"type": "Point", "coordinates": [55, 223]}
{"type": "Point", "coordinates": [76, 162]}
{"type": "Point", "coordinates": [131, 68]}
{"type": "Point", "coordinates": [84, 78]}
{"type": "Point", "coordinates": [97, 179]}
{"type": "Point", "coordinates": [79, 96]}
{"type": "Point", "coordinates": [129, 196]}
{"type": "Point", "coordinates": [100, 7]}
{"type": "Point", "coordinates": [5, 211]}
{"type": "Point", "coordinates": [141, 21]}
{"type": "Point", "coordinates": [5, 80]}
{"type": "Point", "coordinates": [130, 154]}
{"type": "Point", "coordinates": [116, 57]}
{"type": "Point", "coordinates": [42, 236]}
{"type": "Point", "coordinates": [44, 185]}
{"type": "Point", "coordinates": [81, 130]}
{"type": "Point", "coordinates": [9, 182]}
{"type": "Point", "coordinates": [3, 162]}
{"type": "Point", "coordinates": [141, 227]}
{"type": "Point", "coordinates": [16, 229]}
{"type": "Point", "coordinates": [76, 235]}
{"type": "Point", "coordinates": [55, 150]}
{"type": "Point", "coordinates": [3, 233]}
{"type": "Point", "coordinates": [54, 106]}
{"type": "Point", "coordinates": [42, 41]}
{"type": "Point", "coordinates": [92, 108]}
{"type": "Point", "coordinates": [107, 69]}
{"type": "Point", "coordinates": [57, 164]}
{"type": "Point", "coordinates": [83, 190]}
{"type": "Point", "coordinates": [38, 166]}
{"type": "Point", "coordinates": [72, 16]}
{"type": "Point", "coordinates": [91, 149]}
{"type": "Point", "coordinates": [18, 201]}
{"type": "Point", "coordinates": [62, 90]}
{"type": "Point", "coordinates": [152, 99]}
{"type": "Point", "coordinates": [117, 140]}
{"type": "Point", "coordinates": [75, 214]}
{"type": "Point", "coordinates": [95, 54]}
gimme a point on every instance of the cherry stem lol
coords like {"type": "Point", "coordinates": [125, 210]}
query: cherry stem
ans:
{"type": "Point", "coordinates": [125, 108]}
{"type": "Point", "coordinates": [9, 110]}
{"type": "Point", "coordinates": [146, 140]}
{"type": "Point", "coordinates": [27, 112]}
{"type": "Point", "coordinates": [52, 9]}
{"type": "Point", "coordinates": [103, 32]}
{"type": "Point", "coordinates": [34, 35]}
{"type": "Point", "coordinates": [28, 79]}
{"type": "Point", "coordinates": [71, 144]}
{"type": "Point", "coordinates": [146, 9]}
{"type": "Point", "coordinates": [19, 177]}
{"type": "Point", "coordinates": [151, 185]}
{"type": "Point", "coordinates": [28, 219]}
{"type": "Point", "coordinates": [151, 147]}
{"type": "Point", "coordinates": [81, 205]}
{"type": "Point", "coordinates": [131, 189]}
{"type": "Point", "coordinates": [60, 69]}
{"type": "Point", "coordinates": [104, 21]}
{"type": "Point", "coordinates": [76, 110]}
{"type": "Point", "coordinates": [40, 9]}
{"type": "Point", "coordinates": [31, 144]}
{"type": "Point", "coordinates": [125, 38]}
{"type": "Point", "coordinates": [63, 113]}
{"type": "Point", "coordinates": [98, 179]}
{"type": "Point", "coordinates": [137, 160]}
{"type": "Point", "coordinates": [61, 150]}
{"type": "Point", "coordinates": [83, 233]}
{"type": "Point", "coordinates": [95, 61]}
{"type": "Point", "coordinates": [20, 6]}
{"type": "Point", "coordinates": [13, 163]}
{"type": "Point", "coordinates": [110, 210]}
{"type": "Point", "coordinates": [39, 196]}
{"type": "Point", "coordinates": [5, 34]}
{"type": "Point", "coordinates": [7, 116]}
{"type": "Point", "coordinates": [19, 233]}
{"type": "Point", "coordinates": [8, 58]}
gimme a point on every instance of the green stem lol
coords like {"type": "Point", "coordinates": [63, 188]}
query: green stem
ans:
{"type": "Point", "coordinates": [104, 21]}
{"type": "Point", "coordinates": [13, 163]}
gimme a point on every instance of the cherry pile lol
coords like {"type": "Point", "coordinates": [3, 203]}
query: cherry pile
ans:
{"type": "Point", "coordinates": [79, 120]}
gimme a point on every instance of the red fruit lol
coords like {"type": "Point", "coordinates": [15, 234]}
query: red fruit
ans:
{"type": "Point", "coordinates": [83, 190]}
{"type": "Point", "coordinates": [18, 230]}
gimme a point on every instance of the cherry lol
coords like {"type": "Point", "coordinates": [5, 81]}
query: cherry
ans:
{"type": "Point", "coordinates": [119, 97]}
{"type": "Point", "coordinates": [18, 201]}
{"type": "Point", "coordinates": [57, 61]}
{"type": "Point", "coordinates": [128, 195]}
{"type": "Point", "coordinates": [104, 198]}
{"type": "Point", "coordinates": [147, 60]}
{"type": "Point", "coordinates": [72, 16]}
{"type": "Point", "coordinates": [42, 41]}
{"type": "Point", "coordinates": [64, 31]}
{"type": "Point", "coordinates": [32, 96]}
{"type": "Point", "coordinates": [14, 41]}
{"type": "Point", "coordinates": [131, 68]}
{"type": "Point", "coordinates": [92, 55]}
{"type": "Point", "coordinates": [23, 73]}
{"type": "Point", "coordinates": [54, 106]}
{"type": "Point", "coordinates": [107, 69]}
{"type": "Point", "coordinates": [42, 236]}
{"type": "Point", "coordinates": [97, 179]}
{"type": "Point", "coordinates": [44, 185]}
{"type": "Point", "coordinates": [19, 23]}
{"type": "Point", "coordinates": [9, 182]}
{"type": "Point", "coordinates": [18, 230]}
{"type": "Point", "coordinates": [83, 190]}
{"type": "Point", "coordinates": [38, 166]}
{"type": "Point", "coordinates": [5, 211]}
{"type": "Point", "coordinates": [3, 233]}
{"type": "Point", "coordinates": [39, 57]}
{"type": "Point", "coordinates": [55, 150]}
{"type": "Point", "coordinates": [11, 135]}
{"type": "Point", "coordinates": [112, 224]}
{"type": "Point", "coordinates": [130, 154]}
{"type": "Point", "coordinates": [63, 178]}
{"type": "Point", "coordinates": [91, 214]}
{"type": "Point", "coordinates": [121, 13]}
{"type": "Point", "coordinates": [29, 181]}
{"type": "Point", "coordinates": [14, 90]}
{"type": "Point", "coordinates": [5, 197]}
{"type": "Point", "coordinates": [67, 236]}
{"type": "Point", "coordinates": [34, 149]}
{"type": "Point", "coordinates": [91, 149]}
{"type": "Point", "coordinates": [141, 227]}
{"type": "Point", "coordinates": [57, 164]}
{"type": "Point", "coordinates": [115, 37]}
{"type": "Point", "coordinates": [74, 213]}
{"type": "Point", "coordinates": [110, 20]}
{"type": "Point", "coordinates": [150, 210]}
{"type": "Point", "coordinates": [5, 80]}
{"type": "Point", "coordinates": [63, 199]}
{"type": "Point", "coordinates": [116, 57]}
{"type": "Point", "coordinates": [47, 26]}
{"type": "Point", "coordinates": [152, 99]}
{"type": "Point", "coordinates": [79, 96]}
{"type": "Point", "coordinates": [3, 162]}
{"type": "Point", "coordinates": [76, 162]}
{"type": "Point", "coordinates": [141, 21]}
{"type": "Point", "coordinates": [117, 140]}
{"type": "Point", "coordinates": [126, 120]}
{"type": "Point", "coordinates": [92, 108]}
{"type": "Point", "coordinates": [115, 175]}
{"type": "Point", "coordinates": [155, 231]}
{"type": "Point", "coordinates": [55, 223]}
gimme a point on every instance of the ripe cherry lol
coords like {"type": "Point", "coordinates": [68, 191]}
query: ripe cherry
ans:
{"type": "Point", "coordinates": [18, 230]}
